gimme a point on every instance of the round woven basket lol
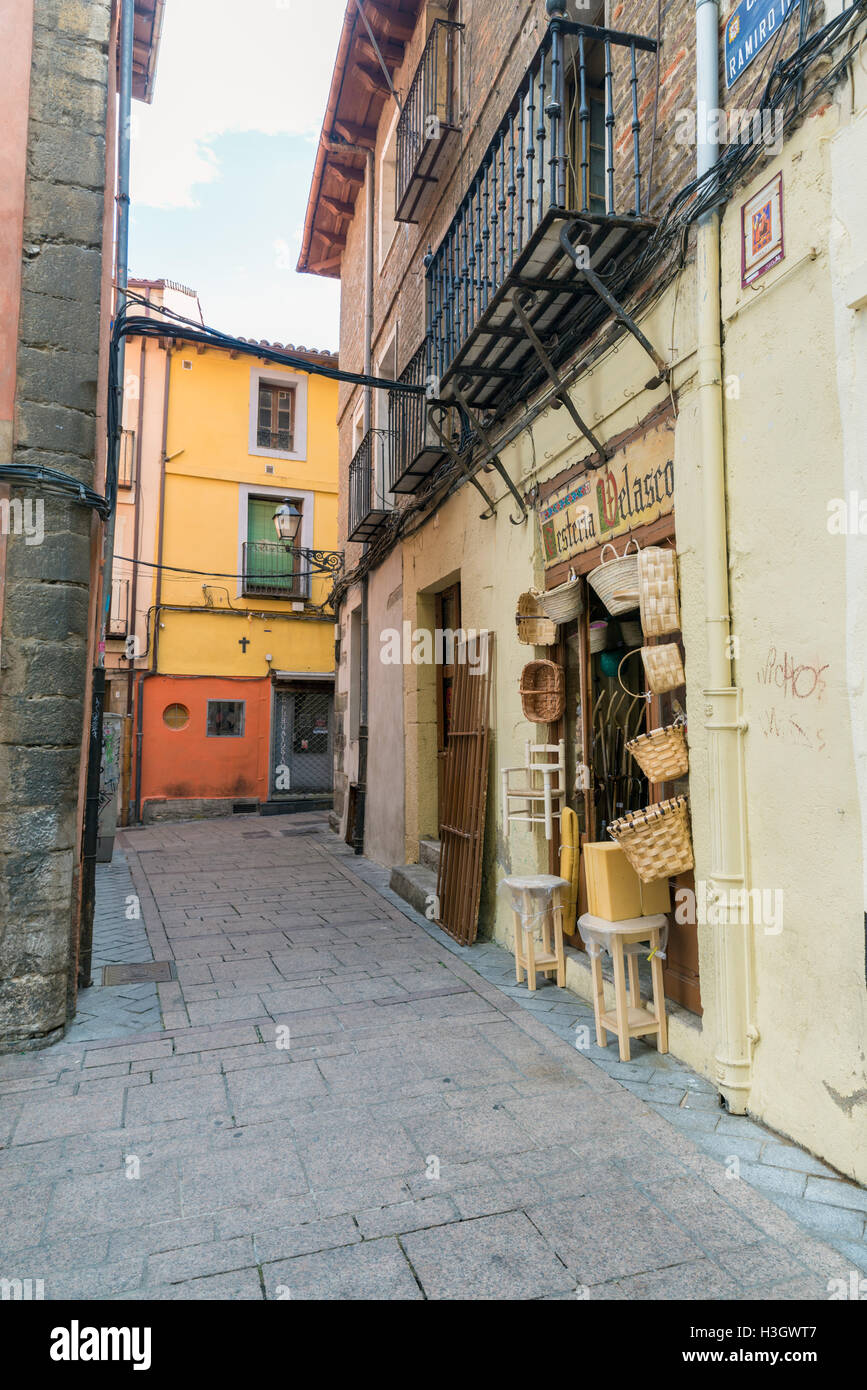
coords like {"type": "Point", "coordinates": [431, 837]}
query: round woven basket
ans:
{"type": "Point", "coordinates": [657, 591]}
{"type": "Point", "coordinates": [656, 841]}
{"type": "Point", "coordinates": [662, 754]}
{"type": "Point", "coordinates": [564, 603]}
{"type": "Point", "coordinates": [598, 637]}
{"type": "Point", "coordinates": [534, 629]}
{"type": "Point", "coordinates": [616, 580]}
{"type": "Point", "coordinates": [663, 667]}
{"type": "Point", "coordinates": [543, 691]}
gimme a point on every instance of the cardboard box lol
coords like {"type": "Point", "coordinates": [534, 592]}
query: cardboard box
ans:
{"type": "Point", "coordinates": [614, 890]}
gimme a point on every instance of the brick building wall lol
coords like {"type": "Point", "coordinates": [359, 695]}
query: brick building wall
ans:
{"type": "Point", "coordinates": [43, 671]}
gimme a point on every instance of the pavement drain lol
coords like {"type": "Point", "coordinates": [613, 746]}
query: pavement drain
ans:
{"type": "Point", "coordinates": [140, 973]}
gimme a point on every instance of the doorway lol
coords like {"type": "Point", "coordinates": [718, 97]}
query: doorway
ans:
{"type": "Point", "coordinates": [302, 739]}
{"type": "Point", "coordinates": [448, 619]}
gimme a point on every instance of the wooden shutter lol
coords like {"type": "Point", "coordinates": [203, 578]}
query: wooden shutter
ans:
{"type": "Point", "coordinates": [465, 787]}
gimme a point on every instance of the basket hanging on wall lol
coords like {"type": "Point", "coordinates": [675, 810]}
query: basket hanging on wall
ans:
{"type": "Point", "coordinates": [662, 754]}
{"type": "Point", "coordinates": [564, 603]}
{"type": "Point", "coordinates": [657, 591]}
{"type": "Point", "coordinates": [616, 580]}
{"type": "Point", "coordinates": [534, 629]}
{"type": "Point", "coordinates": [663, 667]}
{"type": "Point", "coordinates": [656, 841]}
{"type": "Point", "coordinates": [543, 691]}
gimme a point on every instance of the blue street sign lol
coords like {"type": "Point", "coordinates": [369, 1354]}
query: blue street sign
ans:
{"type": "Point", "coordinates": [753, 25]}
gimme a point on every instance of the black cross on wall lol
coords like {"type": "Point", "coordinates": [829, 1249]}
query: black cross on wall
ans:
{"type": "Point", "coordinates": [243, 643]}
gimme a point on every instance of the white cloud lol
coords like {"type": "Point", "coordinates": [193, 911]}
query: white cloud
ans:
{"type": "Point", "coordinates": [225, 66]}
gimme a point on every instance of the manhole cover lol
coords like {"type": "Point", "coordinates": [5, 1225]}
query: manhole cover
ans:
{"type": "Point", "coordinates": [140, 973]}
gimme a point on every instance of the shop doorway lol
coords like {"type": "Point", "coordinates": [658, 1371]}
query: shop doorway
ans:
{"type": "Point", "coordinates": [600, 719]}
{"type": "Point", "coordinates": [302, 741]}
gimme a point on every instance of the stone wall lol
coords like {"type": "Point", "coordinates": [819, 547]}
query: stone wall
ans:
{"type": "Point", "coordinates": [45, 620]}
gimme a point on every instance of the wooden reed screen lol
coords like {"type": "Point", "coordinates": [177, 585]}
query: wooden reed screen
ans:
{"type": "Point", "coordinates": [465, 789]}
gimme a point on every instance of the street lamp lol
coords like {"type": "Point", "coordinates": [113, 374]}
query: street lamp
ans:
{"type": "Point", "coordinates": [287, 520]}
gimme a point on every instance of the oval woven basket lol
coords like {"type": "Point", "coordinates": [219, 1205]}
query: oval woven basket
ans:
{"type": "Point", "coordinates": [663, 667]}
{"type": "Point", "coordinates": [534, 629]}
{"type": "Point", "coordinates": [616, 581]}
{"type": "Point", "coordinates": [662, 754]}
{"type": "Point", "coordinates": [564, 603]}
{"type": "Point", "coordinates": [657, 591]}
{"type": "Point", "coordinates": [656, 841]}
{"type": "Point", "coordinates": [543, 691]}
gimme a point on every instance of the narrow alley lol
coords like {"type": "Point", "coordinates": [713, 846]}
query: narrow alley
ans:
{"type": "Point", "coordinates": [339, 1105]}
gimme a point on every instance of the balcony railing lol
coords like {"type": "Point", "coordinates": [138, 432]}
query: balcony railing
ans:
{"type": "Point", "coordinates": [280, 571]}
{"type": "Point", "coordinates": [368, 510]}
{"type": "Point", "coordinates": [126, 459]}
{"type": "Point", "coordinates": [274, 439]}
{"type": "Point", "coordinates": [566, 155]}
{"type": "Point", "coordinates": [430, 113]}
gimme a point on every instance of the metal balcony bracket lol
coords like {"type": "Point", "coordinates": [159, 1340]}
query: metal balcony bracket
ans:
{"type": "Point", "coordinates": [491, 456]}
{"type": "Point", "coordinates": [562, 395]}
{"type": "Point", "coordinates": [592, 279]}
{"type": "Point", "coordinates": [490, 508]}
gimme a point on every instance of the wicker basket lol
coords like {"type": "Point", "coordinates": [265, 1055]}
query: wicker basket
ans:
{"type": "Point", "coordinates": [598, 637]}
{"type": "Point", "coordinates": [534, 629]}
{"type": "Point", "coordinates": [543, 691]}
{"type": "Point", "coordinates": [630, 631]}
{"type": "Point", "coordinates": [657, 591]}
{"type": "Point", "coordinates": [661, 754]}
{"type": "Point", "coordinates": [663, 667]}
{"type": "Point", "coordinates": [563, 603]}
{"type": "Point", "coordinates": [616, 581]}
{"type": "Point", "coordinates": [656, 841]}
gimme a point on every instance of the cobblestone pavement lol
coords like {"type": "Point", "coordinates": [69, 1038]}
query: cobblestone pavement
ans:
{"type": "Point", "coordinates": [422, 1135]}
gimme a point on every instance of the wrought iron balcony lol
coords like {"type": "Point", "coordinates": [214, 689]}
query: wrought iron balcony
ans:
{"type": "Point", "coordinates": [279, 570]}
{"type": "Point", "coordinates": [430, 113]}
{"type": "Point", "coordinates": [368, 509]}
{"type": "Point", "coordinates": [566, 158]}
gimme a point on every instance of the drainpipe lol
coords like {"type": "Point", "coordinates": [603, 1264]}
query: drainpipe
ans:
{"type": "Point", "coordinates": [725, 725]}
{"type": "Point", "coordinates": [91, 808]}
{"type": "Point", "coordinates": [361, 794]}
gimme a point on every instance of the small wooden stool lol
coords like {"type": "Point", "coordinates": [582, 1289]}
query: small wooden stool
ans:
{"type": "Point", "coordinates": [630, 1018]}
{"type": "Point", "coordinates": [537, 900]}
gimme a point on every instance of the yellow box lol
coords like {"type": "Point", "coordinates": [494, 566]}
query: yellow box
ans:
{"type": "Point", "coordinates": [614, 890]}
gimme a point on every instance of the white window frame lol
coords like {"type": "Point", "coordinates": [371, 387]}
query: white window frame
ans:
{"type": "Point", "coordinates": [270, 376]}
{"type": "Point", "coordinates": [295, 494]}
{"type": "Point", "coordinates": [388, 149]}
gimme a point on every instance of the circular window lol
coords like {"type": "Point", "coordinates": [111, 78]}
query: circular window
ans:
{"type": "Point", "coordinates": [176, 716]}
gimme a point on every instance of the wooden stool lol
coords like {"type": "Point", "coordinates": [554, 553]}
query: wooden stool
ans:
{"type": "Point", "coordinates": [537, 900]}
{"type": "Point", "coordinates": [630, 1018]}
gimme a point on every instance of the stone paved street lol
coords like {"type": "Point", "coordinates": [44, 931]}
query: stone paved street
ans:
{"type": "Point", "coordinates": [339, 1105]}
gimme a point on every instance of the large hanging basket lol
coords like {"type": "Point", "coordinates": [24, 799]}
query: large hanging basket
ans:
{"type": "Point", "coordinates": [657, 591]}
{"type": "Point", "coordinates": [543, 691]}
{"type": "Point", "coordinates": [656, 841]}
{"type": "Point", "coordinates": [663, 667]}
{"type": "Point", "coordinates": [662, 754]}
{"type": "Point", "coordinates": [564, 603]}
{"type": "Point", "coordinates": [534, 629]}
{"type": "Point", "coordinates": [616, 580]}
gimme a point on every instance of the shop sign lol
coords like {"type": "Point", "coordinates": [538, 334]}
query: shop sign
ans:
{"type": "Point", "coordinates": [752, 26]}
{"type": "Point", "coordinates": [634, 488]}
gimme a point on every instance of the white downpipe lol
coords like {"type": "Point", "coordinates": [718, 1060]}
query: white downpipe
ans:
{"type": "Point", "coordinates": [736, 1034]}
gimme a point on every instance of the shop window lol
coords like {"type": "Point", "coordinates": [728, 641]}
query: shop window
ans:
{"type": "Point", "coordinates": [176, 716]}
{"type": "Point", "coordinates": [226, 718]}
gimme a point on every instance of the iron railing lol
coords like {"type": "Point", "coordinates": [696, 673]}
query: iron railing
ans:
{"type": "Point", "coordinates": [275, 569]}
{"type": "Point", "coordinates": [368, 507]}
{"type": "Point", "coordinates": [430, 112]}
{"type": "Point", "coordinates": [126, 459]}
{"type": "Point", "coordinates": [275, 439]}
{"type": "Point", "coordinates": [554, 150]}
{"type": "Point", "coordinates": [407, 417]}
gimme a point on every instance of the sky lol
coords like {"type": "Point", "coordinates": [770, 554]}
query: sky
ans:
{"type": "Point", "coordinates": [222, 162]}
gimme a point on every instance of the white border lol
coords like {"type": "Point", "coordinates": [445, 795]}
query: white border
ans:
{"type": "Point", "coordinates": [274, 377]}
